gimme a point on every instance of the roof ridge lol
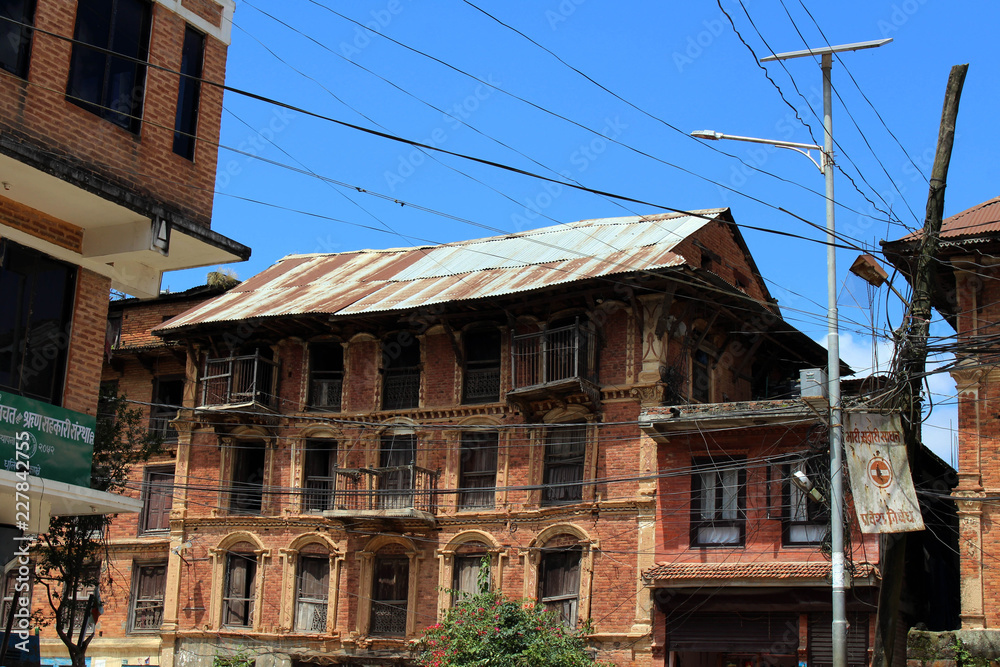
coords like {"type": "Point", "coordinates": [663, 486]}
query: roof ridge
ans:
{"type": "Point", "coordinates": [538, 231]}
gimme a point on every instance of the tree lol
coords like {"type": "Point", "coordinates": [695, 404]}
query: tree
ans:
{"type": "Point", "coordinates": [68, 556]}
{"type": "Point", "coordinates": [489, 630]}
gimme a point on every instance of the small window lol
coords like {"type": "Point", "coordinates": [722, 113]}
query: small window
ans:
{"type": "Point", "coordinates": [312, 593]}
{"type": "Point", "coordinates": [390, 595]}
{"type": "Point", "coordinates": [565, 447]}
{"type": "Point", "coordinates": [148, 585]}
{"type": "Point", "coordinates": [188, 93]}
{"type": "Point", "coordinates": [478, 470]}
{"type": "Point", "coordinates": [36, 305]}
{"type": "Point", "coordinates": [157, 499]}
{"type": "Point", "coordinates": [239, 594]}
{"type": "Point", "coordinates": [326, 376]}
{"type": "Point", "coordinates": [482, 366]}
{"type": "Point", "coordinates": [806, 520]}
{"type": "Point", "coordinates": [246, 494]}
{"type": "Point", "coordinates": [401, 372]}
{"type": "Point", "coordinates": [718, 503]}
{"type": "Point", "coordinates": [319, 467]}
{"type": "Point", "coordinates": [559, 582]}
{"type": "Point", "coordinates": [168, 395]}
{"type": "Point", "coordinates": [106, 85]}
{"type": "Point", "coordinates": [15, 35]}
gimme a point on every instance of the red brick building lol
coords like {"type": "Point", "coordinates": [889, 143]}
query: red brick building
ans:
{"type": "Point", "coordinates": [966, 288]}
{"type": "Point", "coordinates": [359, 429]}
{"type": "Point", "coordinates": [105, 180]}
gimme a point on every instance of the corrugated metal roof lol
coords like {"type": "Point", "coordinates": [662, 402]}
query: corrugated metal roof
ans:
{"type": "Point", "coordinates": [370, 281]}
{"type": "Point", "coordinates": [980, 220]}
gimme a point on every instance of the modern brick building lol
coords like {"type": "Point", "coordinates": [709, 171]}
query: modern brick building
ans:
{"type": "Point", "coordinates": [105, 184]}
{"type": "Point", "coordinates": [359, 429]}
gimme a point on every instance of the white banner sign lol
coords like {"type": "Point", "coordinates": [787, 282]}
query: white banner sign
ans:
{"type": "Point", "coordinates": [880, 474]}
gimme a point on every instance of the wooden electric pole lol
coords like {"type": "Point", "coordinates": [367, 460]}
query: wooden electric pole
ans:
{"type": "Point", "coordinates": [911, 362]}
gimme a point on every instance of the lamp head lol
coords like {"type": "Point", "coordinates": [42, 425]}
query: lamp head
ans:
{"type": "Point", "coordinates": [707, 134]}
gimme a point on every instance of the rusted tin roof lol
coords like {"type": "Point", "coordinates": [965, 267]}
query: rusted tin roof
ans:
{"type": "Point", "coordinates": [371, 281]}
{"type": "Point", "coordinates": [980, 220]}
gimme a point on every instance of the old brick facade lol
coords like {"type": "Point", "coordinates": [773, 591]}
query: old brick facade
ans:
{"type": "Point", "coordinates": [336, 474]}
{"type": "Point", "coordinates": [966, 288]}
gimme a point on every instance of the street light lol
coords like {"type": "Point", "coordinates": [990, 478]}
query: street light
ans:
{"type": "Point", "coordinates": [839, 592]}
{"type": "Point", "coordinates": [790, 145]}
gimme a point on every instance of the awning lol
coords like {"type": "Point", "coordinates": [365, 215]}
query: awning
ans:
{"type": "Point", "coordinates": [47, 498]}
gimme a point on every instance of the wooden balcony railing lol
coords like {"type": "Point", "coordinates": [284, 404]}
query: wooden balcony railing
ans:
{"type": "Point", "coordinates": [371, 491]}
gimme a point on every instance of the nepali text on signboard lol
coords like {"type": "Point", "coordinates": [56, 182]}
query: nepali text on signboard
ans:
{"type": "Point", "coordinates": [884, 498]}
{"type": "Point", "coordinates": [62, 441]}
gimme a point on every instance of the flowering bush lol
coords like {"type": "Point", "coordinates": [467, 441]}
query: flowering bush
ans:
{"type": "Point", "coordinates": [488, 630]}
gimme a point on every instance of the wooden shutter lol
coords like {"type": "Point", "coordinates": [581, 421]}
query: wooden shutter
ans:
{"type": "Point", "coordinates": [746, 632]}
{"type": "Point", "coordinates": [159, 499]}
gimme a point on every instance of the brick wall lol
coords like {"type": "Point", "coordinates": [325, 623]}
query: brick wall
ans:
{"type": "Point", "coordinates": [40, 225]}
{"type": "Point", "coordinates": [38, 111]}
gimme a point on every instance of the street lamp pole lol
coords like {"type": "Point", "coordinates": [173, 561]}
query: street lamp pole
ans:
{"type": "Point", "coordinates": [839, 592]}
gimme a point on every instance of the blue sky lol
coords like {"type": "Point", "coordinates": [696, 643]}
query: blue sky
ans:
{"type": "Point", "coordinates": [679, 67]}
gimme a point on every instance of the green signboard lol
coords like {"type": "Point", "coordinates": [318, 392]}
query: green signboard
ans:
{"type": "Point", "coordinates": [61, 441]}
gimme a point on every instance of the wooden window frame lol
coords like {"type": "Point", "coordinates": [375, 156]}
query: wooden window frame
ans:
{"type": "Point", "coordinates": [715, 476]}
{"type": "Point", "coordinates": [473, 442]}
{"type": "Point", "coordinates": [150, 490]}
{"type": "Point", "coordinates": [137, 598]}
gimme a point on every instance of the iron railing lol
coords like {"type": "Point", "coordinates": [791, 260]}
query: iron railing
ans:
{"type": "Point", "coordinates": [388, 617]}
{"type": "Point", "coordinates": [401, 389]}
{"type": "Point", "coordinates": [235, 380]}
{"type": "Point", "coordinates": [482, 385]}
{"type": "Point", "coordinates": [327, 392]}
{"type": "Point", "coordinates": [365, 490]}
{"type": "Point", "coordinates": [553, 355]}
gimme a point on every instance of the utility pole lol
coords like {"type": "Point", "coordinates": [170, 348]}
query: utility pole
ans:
{"type": "Point", "coordinates": [911, 360]}
{"type": "Point", "coordinates": [838, 598]}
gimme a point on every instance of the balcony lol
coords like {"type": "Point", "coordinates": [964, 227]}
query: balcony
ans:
{"type": "Point", "coordinates": [554, 363]}
{"type": "Point", "coordinates": [401, 492]}
{"type": "Point", "coordinates": [241, 380]}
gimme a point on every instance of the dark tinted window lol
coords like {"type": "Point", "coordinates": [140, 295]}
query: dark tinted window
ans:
{"type": "Point", "coordinates": [188, 92]}
{"type": "Point", "coordinates": [15, 38]}
{"type": "Point", "coordinates": [36, 302]}
{"type": "Point", "coordinates": [107, 85]}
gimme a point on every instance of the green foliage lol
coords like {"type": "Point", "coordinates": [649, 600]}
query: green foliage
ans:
{"type": "Point", "coordinates": [489, 630]}
{"type": "Point", "coordinates": [239, 659]}
{"type": "Point", "coordinates": [68, 556]}
{"type": "Point", "coordinates": [964, 658]}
